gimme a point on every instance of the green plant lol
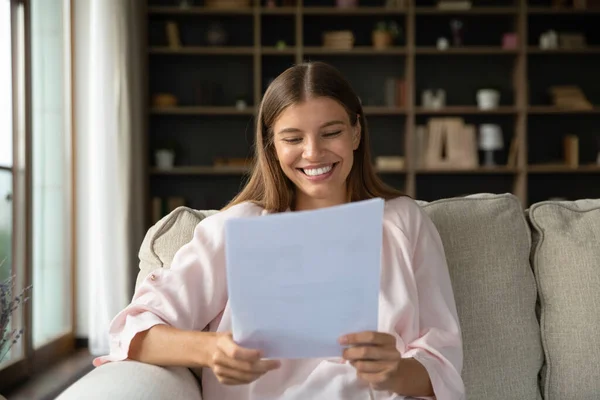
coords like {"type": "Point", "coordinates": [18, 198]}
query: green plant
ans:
{"type": "Point", "coordinates": [391, 27]}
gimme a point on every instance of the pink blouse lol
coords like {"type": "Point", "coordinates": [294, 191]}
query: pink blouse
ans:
{"type": "Point", "coordinates": [416, 304]}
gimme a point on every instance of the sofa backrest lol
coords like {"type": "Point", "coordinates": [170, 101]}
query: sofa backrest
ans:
{"type": "Point", "coordinates": [487, 245]}
{"type": "Point", "coordinates": [167, 236]}
{"type": "Point", "coordinates": [566, 262]}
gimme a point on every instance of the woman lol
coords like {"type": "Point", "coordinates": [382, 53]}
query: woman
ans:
{"type": "Point", "coordinates": [312, 151]}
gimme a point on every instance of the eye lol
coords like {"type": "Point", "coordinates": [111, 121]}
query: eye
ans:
{"type": "Point", "coordinates": [292, 140]}
{"type": "Point", "coordinates": [332, 134]}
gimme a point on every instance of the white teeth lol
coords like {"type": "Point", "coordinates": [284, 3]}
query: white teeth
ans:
{"type": "Point", "coordinates": [317, 171]}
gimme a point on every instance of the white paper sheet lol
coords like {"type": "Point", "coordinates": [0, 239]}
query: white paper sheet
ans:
{"type": "Point", "coordinates": [297, 281]}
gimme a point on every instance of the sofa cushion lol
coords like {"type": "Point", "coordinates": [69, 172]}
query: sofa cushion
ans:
{"type": "Point", "coordinates": [167, 236]}
{"type": "Point", "coordinates": [566, 262]}
{"type": "Point", "coordinates": [487, 245]}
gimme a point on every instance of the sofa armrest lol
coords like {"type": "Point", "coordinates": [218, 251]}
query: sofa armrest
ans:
{"type": "Point", "coordinates": [134, 380]}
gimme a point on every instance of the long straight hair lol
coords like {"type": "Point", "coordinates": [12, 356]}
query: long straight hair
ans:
{"type": "Point", "coordinates": [268, 186]}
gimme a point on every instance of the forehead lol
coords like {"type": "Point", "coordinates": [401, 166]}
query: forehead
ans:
{"type": "Point", "coordinates": [310, 113]}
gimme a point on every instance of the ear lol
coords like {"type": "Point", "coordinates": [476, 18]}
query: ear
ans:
{"type": "Point", "coordinates": [356, 134]}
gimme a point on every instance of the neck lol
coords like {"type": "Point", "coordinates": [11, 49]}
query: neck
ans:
{"type": "Point", "coordinates": [304, 202]}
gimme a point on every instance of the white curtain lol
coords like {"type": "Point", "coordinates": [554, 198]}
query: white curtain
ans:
{"type": "Point", "coordinates": [110, 186]}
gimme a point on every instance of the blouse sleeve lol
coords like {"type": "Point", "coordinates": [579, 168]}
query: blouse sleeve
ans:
{"type": "Point", "coordinates": [187, 296]}
{"type": "Point", "coordinates": [438, 346]}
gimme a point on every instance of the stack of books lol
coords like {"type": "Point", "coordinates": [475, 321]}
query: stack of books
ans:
{"type": "Point", "coordinates": [454, 4]}
{"type": "Point", "coordinates": [569, 97]}
{"type": "Point", "coordinates": [338, 40]}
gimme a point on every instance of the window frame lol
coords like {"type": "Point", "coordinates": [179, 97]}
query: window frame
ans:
{"type": "Point", "coordinates": [34, 361]}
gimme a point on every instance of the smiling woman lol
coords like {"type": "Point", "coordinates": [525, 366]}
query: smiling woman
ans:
{"type": "Point", "coordinates": [312, 151]}
{"type": "Point", "coordinates": [312, 136]}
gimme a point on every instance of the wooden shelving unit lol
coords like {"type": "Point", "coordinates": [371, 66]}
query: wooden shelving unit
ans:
{"type": "Point", "coordinates": [252, 56]}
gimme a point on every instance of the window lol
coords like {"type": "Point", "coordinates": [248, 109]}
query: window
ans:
{"type": "Point", "coordinates": [35, 178]}
{"type": "Point", "coordinates": [8, 267]}
{"type": "Point", "coordinates": [51, 179]}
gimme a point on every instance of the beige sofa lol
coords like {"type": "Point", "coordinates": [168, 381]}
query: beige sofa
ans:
{"type": "Point", "coordinates": [527, 287]}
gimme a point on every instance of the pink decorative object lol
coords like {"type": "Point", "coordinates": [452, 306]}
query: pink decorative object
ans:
{"type": "Point", "coordinates": [346, 3]}
{"type": "Point", "coordinates": [509, 41]}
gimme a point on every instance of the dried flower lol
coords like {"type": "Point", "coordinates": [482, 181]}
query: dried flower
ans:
{"type": "Point", "coordinates": [8, 305]}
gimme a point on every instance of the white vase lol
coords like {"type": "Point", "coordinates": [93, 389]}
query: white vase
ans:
{"type": "Point", "coordinates": [487, 99]}
{"type": "Point", "coordinates": [165, 159]}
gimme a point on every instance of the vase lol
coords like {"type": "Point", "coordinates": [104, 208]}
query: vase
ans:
{"type": "Point", "coordinates": [164, 159]}
{"type": "Point", "coordinates": [487, 99]}
{"type": "Point", "coordinates": [381, 39]}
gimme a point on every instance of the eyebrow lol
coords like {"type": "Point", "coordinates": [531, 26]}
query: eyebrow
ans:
{"type": "Point", "coordinates": [325, 125]}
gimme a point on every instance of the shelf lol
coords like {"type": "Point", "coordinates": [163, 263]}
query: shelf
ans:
{"type": "Point", "coordinates": [416, 58]}
{"type": "Point", "coordinates": [467, 110]}
{"type": "Point", "coordinates": [201, 170]}
{"type": "Point", "coordinates": [190, 50]}
{"type": "Point", "coordinates": [201, 110]}
{"type": "Point", "coordinates": [360, 11]}
{"type": "Point", "coordinates": [563, 169]}
{"type": "Point", "coordinates": [288, 51]}
{"type": "Point", "coordinates": [469, 11]}
{"type": "Point", "coordinates": [278, 10]}
{"type": "Point", "coordinates": [499, 170]}
{"type": "Point", "coordinates": [585, 50]}
{"type": "Point", "coordinates": [382, 110]}
{"type": "Point", "coordinates": [541, 110]}
{"type": "Point", "coordinates": [199, 11]}
{"type": "Point", "coordinates": [465, 50]}
{"type": "Point", "coordinates": [565, 11]}
{"type": "Point", "coordinates": [358, 50]}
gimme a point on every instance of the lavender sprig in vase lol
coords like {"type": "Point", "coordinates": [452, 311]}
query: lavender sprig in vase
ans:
{"type": "Point", "coordinates": [9, 336]}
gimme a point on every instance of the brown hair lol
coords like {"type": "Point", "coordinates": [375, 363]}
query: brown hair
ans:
{"type": "Point", "coordinates": [268, 186]}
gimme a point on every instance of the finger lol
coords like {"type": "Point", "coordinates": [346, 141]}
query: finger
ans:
{"type": "Point", "coordinates": [368, 337]}
{"type": "Point", "coordinates": [371, 367]}
{"type": "Point", "coordinates": [232, 350]}
{"type": "Point", "coordinates": [223, 360]}
{"type": "Point", "coordinates": [259, 367]}
{"type": "Point", "coordinates": [267, 365]}
{"type": "Point", "coordinates": [233, 375]}
{"type": "Point", "coordinates": [372, 353]}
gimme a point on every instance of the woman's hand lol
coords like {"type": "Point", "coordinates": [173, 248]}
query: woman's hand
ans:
{"type": "Point", "coordinates": [375, 358]}
{"type": "Point", "coordinates": [235, 365]}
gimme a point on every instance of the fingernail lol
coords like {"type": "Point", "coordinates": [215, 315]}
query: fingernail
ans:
{"type": "Point", "coordinates": [343, 340]}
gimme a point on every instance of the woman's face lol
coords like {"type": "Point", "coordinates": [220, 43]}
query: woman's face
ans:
{"type": "Point", "coordinates": [314, 143]}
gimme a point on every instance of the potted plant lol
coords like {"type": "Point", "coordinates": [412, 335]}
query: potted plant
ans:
{"type": "Point", "coordinates": [9, 336]}
{"type": "Point", "coordinates": [385, 34]}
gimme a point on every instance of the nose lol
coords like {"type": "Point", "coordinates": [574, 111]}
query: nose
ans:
{"type": "Point", "coordinates": [313, 149]}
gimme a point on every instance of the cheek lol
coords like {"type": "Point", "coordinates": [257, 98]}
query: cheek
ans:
{"type": "Point", "coordinates": [287, 155]}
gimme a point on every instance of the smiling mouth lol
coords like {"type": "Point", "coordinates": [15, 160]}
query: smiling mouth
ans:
{"type": "Point", "coordinates": [318, 171]}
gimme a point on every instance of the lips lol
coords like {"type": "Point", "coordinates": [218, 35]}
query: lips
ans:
{"type": "Point", "coordinates": [318, 171]}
